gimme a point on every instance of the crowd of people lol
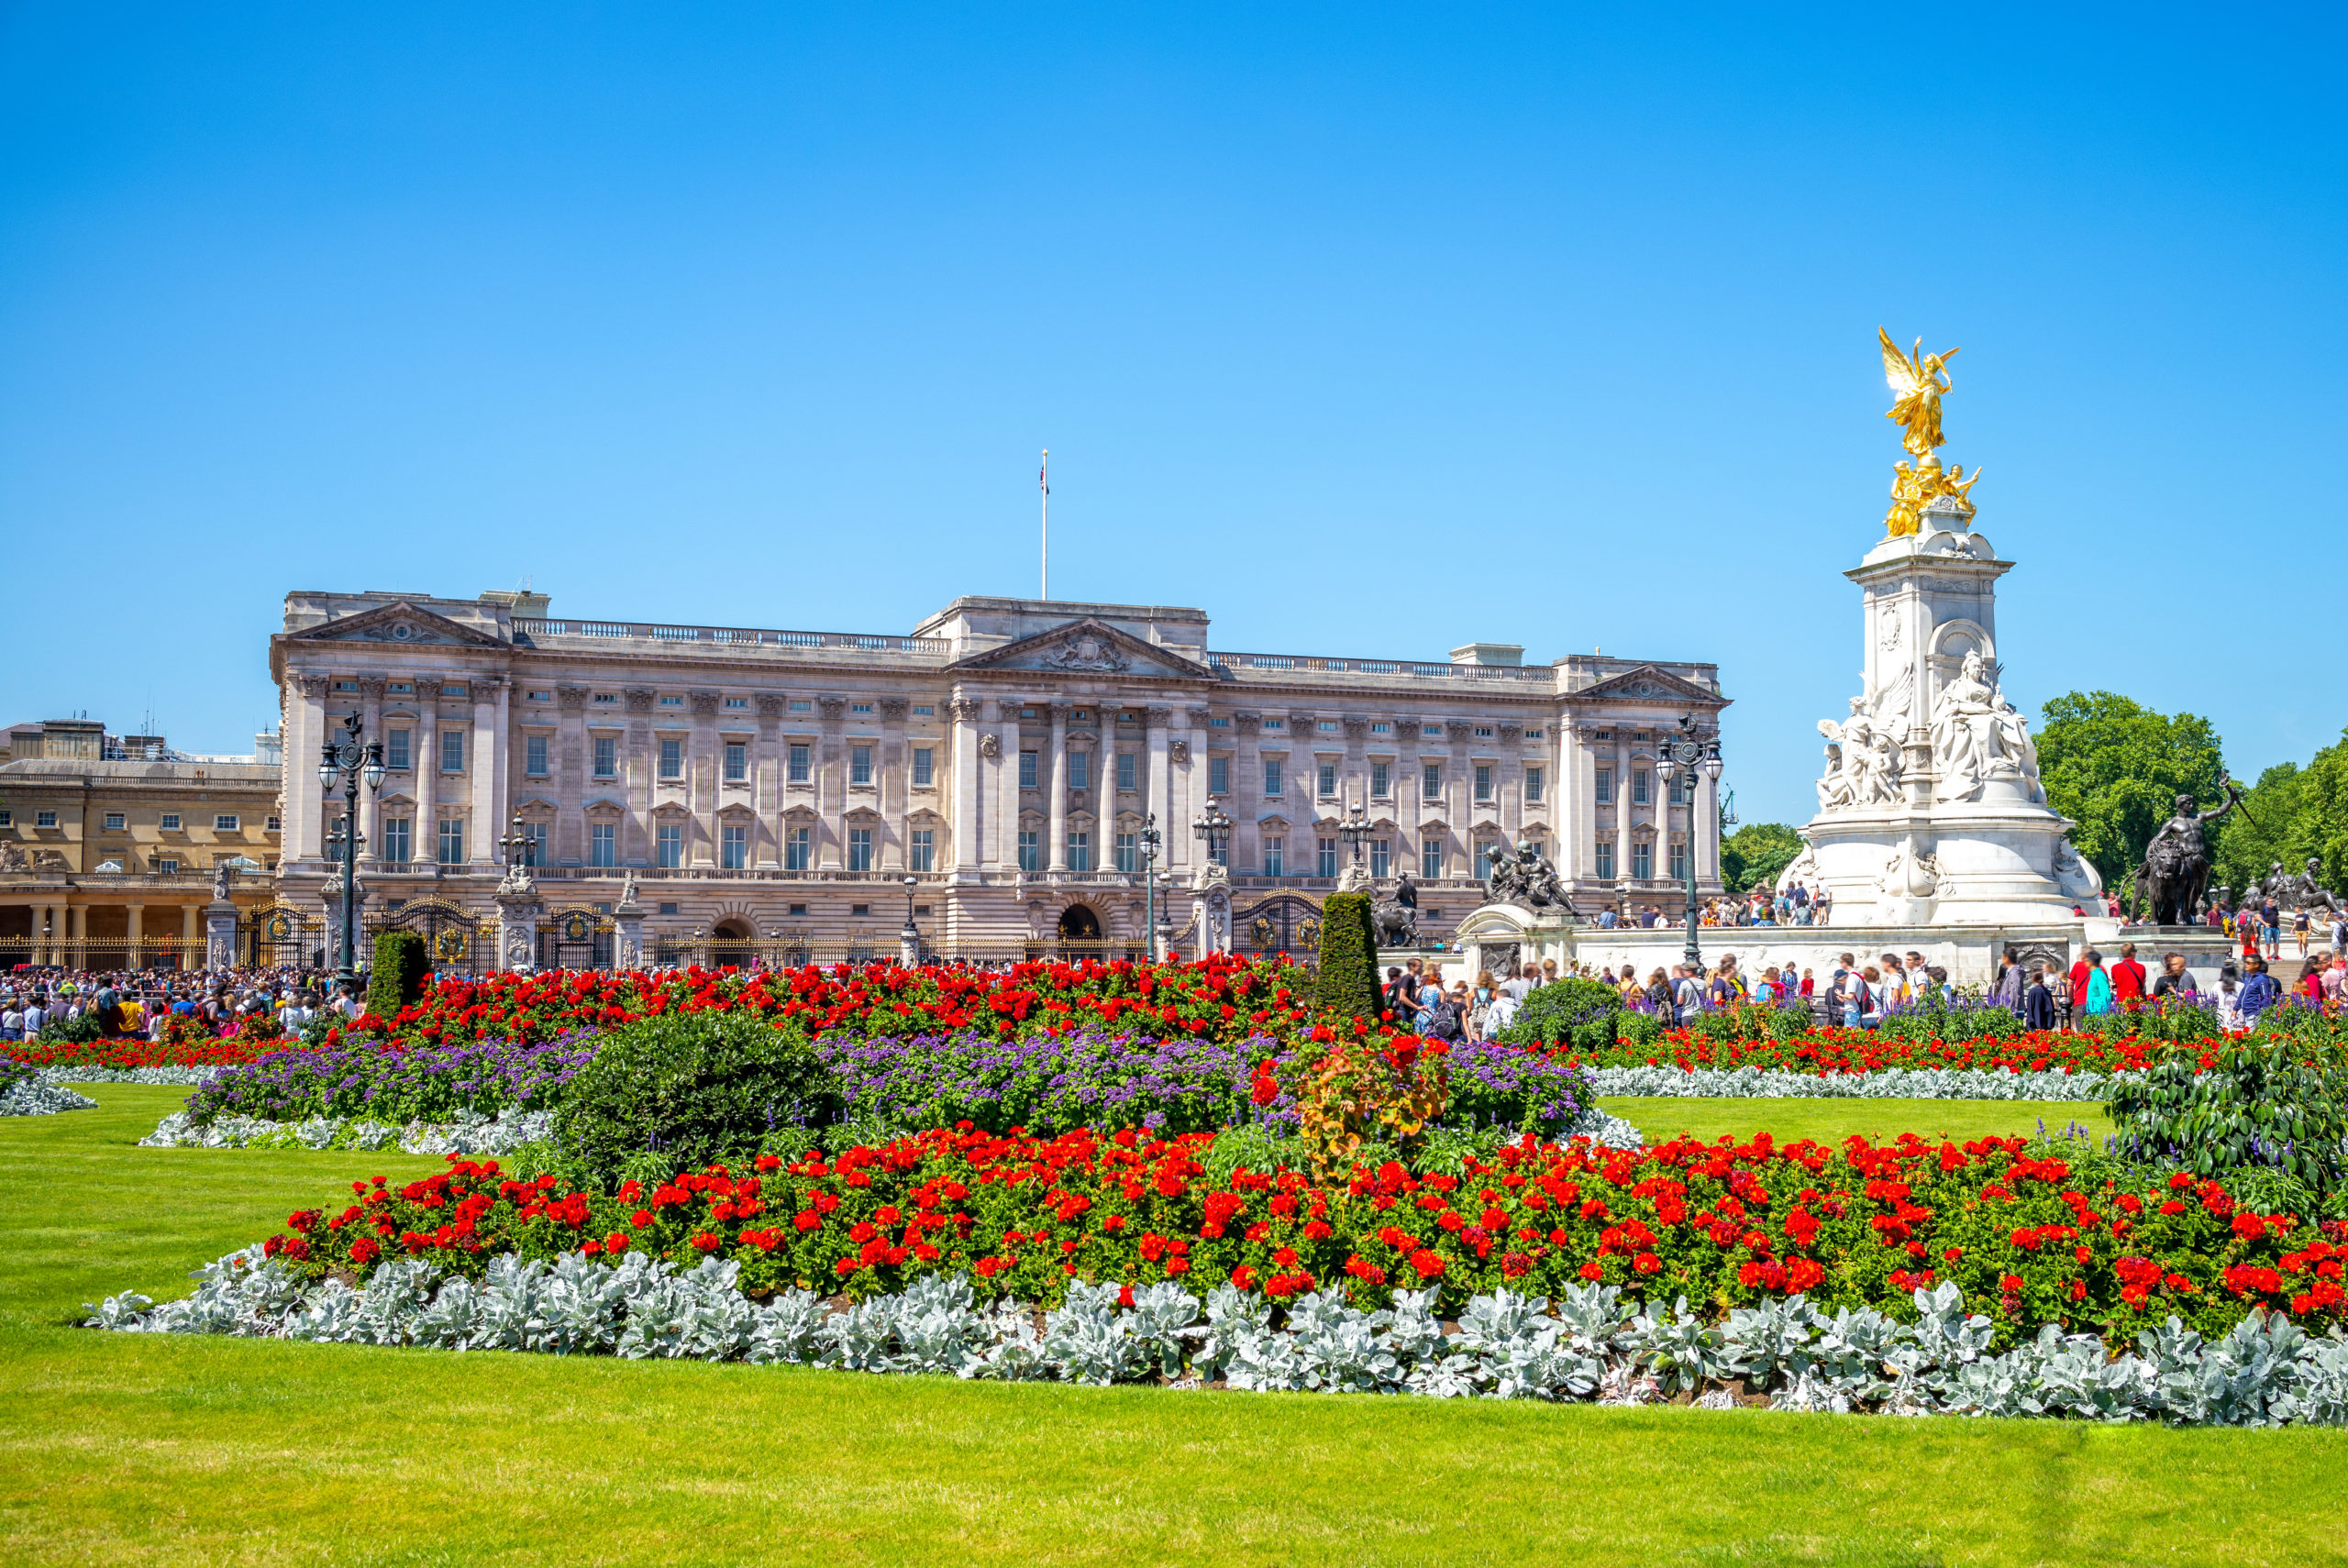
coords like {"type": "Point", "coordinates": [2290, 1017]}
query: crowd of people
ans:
{"type": "Point", "coordinates": [1792, 905]}
{"type": "Point", "coordinates": [138, 1003]}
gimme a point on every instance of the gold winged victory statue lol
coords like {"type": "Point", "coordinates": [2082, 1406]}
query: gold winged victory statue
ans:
{"type": "Point", "coordinates": [1918, 380]}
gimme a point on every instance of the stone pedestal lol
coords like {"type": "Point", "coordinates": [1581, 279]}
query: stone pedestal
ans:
{"type": "Point", "coordinates": [220, 935]}
{"type": "Point", "coordinates": [909, 948]}
{"type": "Point", "coordinates": [1211, 918]}
{"type": "Point", "coordinates": [330, 900]}
{"type": "Point", "coordinates": [1505, 937]}
{"type": "Point", "coordinates": [1356, 878]}
{"type": "Point", "coordinates": [519, 913]}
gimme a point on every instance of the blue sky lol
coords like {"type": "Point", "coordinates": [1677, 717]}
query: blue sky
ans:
{"type": "Point", "coordinates": [1372, 330]}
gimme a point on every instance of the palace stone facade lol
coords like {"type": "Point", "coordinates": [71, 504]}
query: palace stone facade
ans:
{"type": "Point", "coordinates": [772, 788]}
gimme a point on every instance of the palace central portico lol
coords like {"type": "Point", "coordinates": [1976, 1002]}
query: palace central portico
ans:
{"type": "Point", "coordinates": [771, 790]}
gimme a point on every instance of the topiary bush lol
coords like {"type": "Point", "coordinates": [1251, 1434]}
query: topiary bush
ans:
{"type": "Point", "coordinates": [694, 1087]}
{"type": "Point", "coordinates": [2279, 1103]}
{"type": "Point", "coordinates": [401, 964]}
{"type": "Point", "coordinates": [1346, 984]}
{"type": "Point", "coordinates": [1578, 1013]}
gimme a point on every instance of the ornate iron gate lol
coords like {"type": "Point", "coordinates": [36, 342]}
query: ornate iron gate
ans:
{"type": "Point", "coordinates": [455, 941]}
{"type": "Point", "coordinates": [575, 938]}
{"type": "Point", "coordinates": [282, 936]}
{"type": "Point", "coordinates": [1285, 923]}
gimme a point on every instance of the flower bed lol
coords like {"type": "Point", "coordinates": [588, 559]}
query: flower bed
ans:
{"type": "Point", "coordinates": [23, 1092]}
{"type": "Point", "coordinates": [1591, 1341]}
{"type": "Point", "coordinates": [1839, 1050]}
{"type": "Point", "coordinates": [1728, 1225]}
{"type": "Point", "coordinates": [1884, 1082]}
{"type": "Point", "coordinates": [128, 1055]}
{"type": "Point", "coordinates": [394, 1081]}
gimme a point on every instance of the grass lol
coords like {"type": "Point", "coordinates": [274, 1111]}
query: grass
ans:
{"type": "Point", "coordinates": [1831, 1120]}
{"type": "Point", "coordinates": [128, 1448]}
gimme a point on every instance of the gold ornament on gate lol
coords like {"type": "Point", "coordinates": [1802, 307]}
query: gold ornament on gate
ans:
{"type": "Point", "coordinates": [1919, 379]}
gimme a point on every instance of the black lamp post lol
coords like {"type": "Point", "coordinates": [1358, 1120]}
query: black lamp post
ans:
{"type": "Point", "coordinates": [1150, 839]}
{"type": "Point", "coordinates": [348, 759]}
{"type": "Point", "coordinates": [909, 939]}
{"type": "Point", "coordinates": [1682, 759]}
{"type": "Point", "coordinates": [1214, 829]}
{"type": "Point", "coordinates": [1355, 830]}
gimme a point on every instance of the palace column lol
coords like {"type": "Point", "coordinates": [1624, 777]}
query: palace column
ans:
{"type": "Point", "coordinates": [370, 690]}
{"type": "Point", "coordinates": [306, 732]}
{"type": "Point", "coordinates": [1704, 827]}
{"type": "Point", "coordinates": [1057, 852]}
{"type": "Point", "coordinates": [1157, 791]}
{"type": "Point", "coordinates": [968, 826]}
{"type": "Point", "coordinates": [569, 840]}
{"type": "Point", "coordinates": [704, 759]}
{"type": "Point", "coordinates": [831, 786]}
{"type": "Point", "coordinates": [190, 939]}
{"type": "Point", "coordinates": [133, 935]}
{"type": "Point", "coordinates": [1621, 799]}
{"type": "Point", "coordinates": [766, 787]}
{"type": "Point", "coordinates": [426, 755]}
{"type": "Point", "coordinates": [490, 694]}
{"type": "Point", "coordinates": [1572, 815]}
{"type": "Point", "coordinates": [1247, 791]}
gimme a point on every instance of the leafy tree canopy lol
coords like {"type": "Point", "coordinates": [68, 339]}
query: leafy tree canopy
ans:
{"type": "Point", "coordinates": [1754, 854]}
{"type": "Point", "coordinates": [2115, 766]}
{"type": "Point", "coordinates": [2294, 813]}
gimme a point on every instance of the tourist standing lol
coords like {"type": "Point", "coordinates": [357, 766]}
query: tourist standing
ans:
{"type": "Point", "coordinates": [2098, 1000]}
{"type": "Point", "coordinates": [2227, 996]}
{"type": "Point", "coordinates": [2037, 1002]}
{"type": "Point", "coordinates": [2127, 978]}
{"type": "Point", "coordinates": [2300, 930]}
{"type": "Point", "coordinates": [2260, 991]}
{"type": "Point", "coordinates": [2174, 983]}
{"type": "Point", "coordinates": [2270, 926]}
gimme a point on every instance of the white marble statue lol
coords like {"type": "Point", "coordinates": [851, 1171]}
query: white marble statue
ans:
{"type": "Point", "coordinates": [1977, 737]}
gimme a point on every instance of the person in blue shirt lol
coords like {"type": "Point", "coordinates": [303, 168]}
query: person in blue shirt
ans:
{"type": "Point", "coordinates": [2259, 992]}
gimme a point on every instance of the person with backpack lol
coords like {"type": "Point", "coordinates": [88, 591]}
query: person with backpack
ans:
{"type": "Point", "coordinates": [2259, 992]}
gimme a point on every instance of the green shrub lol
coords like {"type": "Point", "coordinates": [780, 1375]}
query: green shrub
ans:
{"type": "Point", "coordinates": [79, 1031]}
{"type": "Point", "coordinates": [1582, 1014]}
{"type": "Point", "coordinates": [1345, 985]}
{"type": "Point", "coordinates": [2278, 1103]}
{"type": "Point", "coordinates": [692, 1087]}
{"type": "Point", "coordinates": [401, 964]}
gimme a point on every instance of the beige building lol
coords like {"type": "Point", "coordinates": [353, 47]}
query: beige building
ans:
{"type": "Point", "coordinates": [775, 790]}
{"type": "Point", "coordinates": [108, 845]}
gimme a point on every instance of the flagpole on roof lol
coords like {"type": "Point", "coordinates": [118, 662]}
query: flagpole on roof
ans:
{"type": "Point", "coordinates": [1044, 483]}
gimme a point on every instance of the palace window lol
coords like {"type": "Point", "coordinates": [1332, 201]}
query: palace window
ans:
{"type": "Point", "coordinates": [1326, 778]}
{"type": "Point", "coordinates": [534, 843]}
{"type": "Point", "coordinates": [225, 822]}
{"type": "Point", "coordinates": [1642, 861]}
{"type": "Point", "coordinates": [1679, 860]}
{"type": "Point", "coordinates": [170, 823]}
{"type": "Point", "coordinates": [1533, 785]}
{"type": "Point", "coordinates": [1030, 856]}
{"type": "Point", "coordinates": [1079, 770]}
{"type": "Point", "coordinates": [1128, 853]}
{"type": "Point", "coordinates": [1330, 726]}
{"type": "Point", "coordinates": [860, 849]}
{"type": "Point", "coordinates": [399, 842]}
{"type": "Point", "coordinates": [668, 908]}
{"type": "Point", "coordinates": [737, 701]}
{"type": "Point", "coordinates": [1484, 860]}
{"type": "Point", "coordinates": [1382, 727]}
{"type": "Point", "coordinates": [395, 750]}
{"type": "Point", "coordinates": [452, 751]}
{"type": "Point", "coordinates": [925, 766]}
{"type": "Point", "coordinates": [270, 826]}
{"type": "Point", "coordinates": [607, 757]}
{"type": "Point", "coordinates": [1429, 732]}
{"type": "Point", "coordinates": [1382, 856]}
{"type": "Point", "coordinates": [1639, 785]}
{"type": "Point", "coordinates": [1272, 769]}
{"type": "Point", "coordinates": [1275, 856]}
{"type": "Point", "coordinates": [45, 819]}
{"type": "Point", "coordinates": [1276, 723]}
{"type": "Point", "coordinates": [1431, 783]}
{"type": "Point", "coordinates": [1483, 731]}
{"type": "Point", "coordinates": [800, 763]}
{"type": "Point", "coordinates": [452, 841]}
{"type": "Point", "coordinates": [1430, 859]}
{"type": "Point", "coordinates": [732, 846]}
{"type": "Point", "coordinates": [607, 698]}
{"type": "Point", "coordinates": [114, 821]}
{"type": "Point", "coordinates": [1221, 724]}
{"type": "Point", "coordinates": [1483, 781]}
{"type": "Point", "coordinates": [669, 845]}
{"type": "Point", "coordinates": [798, 849]}
{"type": "Point", "coordinates": [1675, 788]}
{"type": "Point", "coordinates": [859, 707]}
{"type": "Point", "coordinates": [1128, 771]}
{"type": "Point", "coordinates": [672, 759]}
{"type": "Point", "coordinates": [534, 756]}
{"type": "Point", "coordinates": [166, 865]}
{"type": "Point", "coordinates": [1027, 770]}
{"type": "Point", "coordinates": [1079, 851]}
{"type": "Point", "coordinates": [1604, 791]}
{"type": "Point", "coordinates": [1379, 783]}
{"type": "Point", "coordinates": [921, 850]}
{"type": "Point", "coordinates": [539, 696]}
{"type": "Point", "coordinates": [924, 711]}
{"type": "Point", "coordinates": [860, 764]}
{"type": "Point", "coordinates": [1328, 866]}
{"type": "Point", "coordinates": [603, 844]}
{"type": "Point", "coordinates": [1602, 862]}
{"type": "Point", "coordinates": [453, 689]}
{"type": "Point", "coordinates": [672, 702]}
{"type": "Point", "coordinates": [802, 705]}
{"type": "Point", "coordinates": [738, 762]}
{"type": "Point", "coordinates": [1218, 775]}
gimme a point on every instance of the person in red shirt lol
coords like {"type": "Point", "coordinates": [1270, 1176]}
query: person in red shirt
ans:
{"type": "Point", "coordinates": [2127, 978]}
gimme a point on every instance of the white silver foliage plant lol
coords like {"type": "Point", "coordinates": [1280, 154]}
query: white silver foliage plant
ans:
{"type": "Point", "coordinates": [1588, 1343]}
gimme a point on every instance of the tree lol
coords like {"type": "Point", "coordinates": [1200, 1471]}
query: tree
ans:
{"type": "Point", "coordinates": [1754, 854]}
{"type": "Point", "coordinates": [2293, 812]}
{"type": "Point", "coordinates": [401, 965]}
{"type": "Point", "coordinates": [1346, 984]}
{"type": "Point", "coordinates": [2115, 768]}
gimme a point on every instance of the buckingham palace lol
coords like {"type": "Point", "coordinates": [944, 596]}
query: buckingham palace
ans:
{"type": "Point", "coordinates": [989, 774]}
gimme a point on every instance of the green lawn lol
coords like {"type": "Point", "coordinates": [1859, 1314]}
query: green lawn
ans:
{"type": "Point", "coordinates": [132, 1449]}
{"type": "Point", "coordinates": [1831, 1120]}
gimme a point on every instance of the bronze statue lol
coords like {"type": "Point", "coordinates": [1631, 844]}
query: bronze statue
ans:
{"type": "Point", "coordinates": [2177, 862]}
{"type": "Point", "coordinates": [1523, 875]}
{"type": "Point", "coordinates": [1397, 918]}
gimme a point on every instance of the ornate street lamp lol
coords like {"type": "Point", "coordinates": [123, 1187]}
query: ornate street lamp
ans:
{"type": "Point", "coordinates": [348, 760]}
{"type": "Point", "coordinates": [1355, 830]}
{"type": "Point", "coordinates": [909, 939]}
{"type": "Point", "coordinates": [1682, 759]}
{"type": "Point", "coordinates": [1150, 839]}
{"type": "Point", "coordinates": [1214, 829]}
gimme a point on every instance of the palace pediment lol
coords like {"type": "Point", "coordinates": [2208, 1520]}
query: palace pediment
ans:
{"type": "Point", "coordinates": [1648, 684]}
{"type": "Point", "coordinates": [1087, 647]}
{"type": "Point", "coordinates": [399, 623]}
